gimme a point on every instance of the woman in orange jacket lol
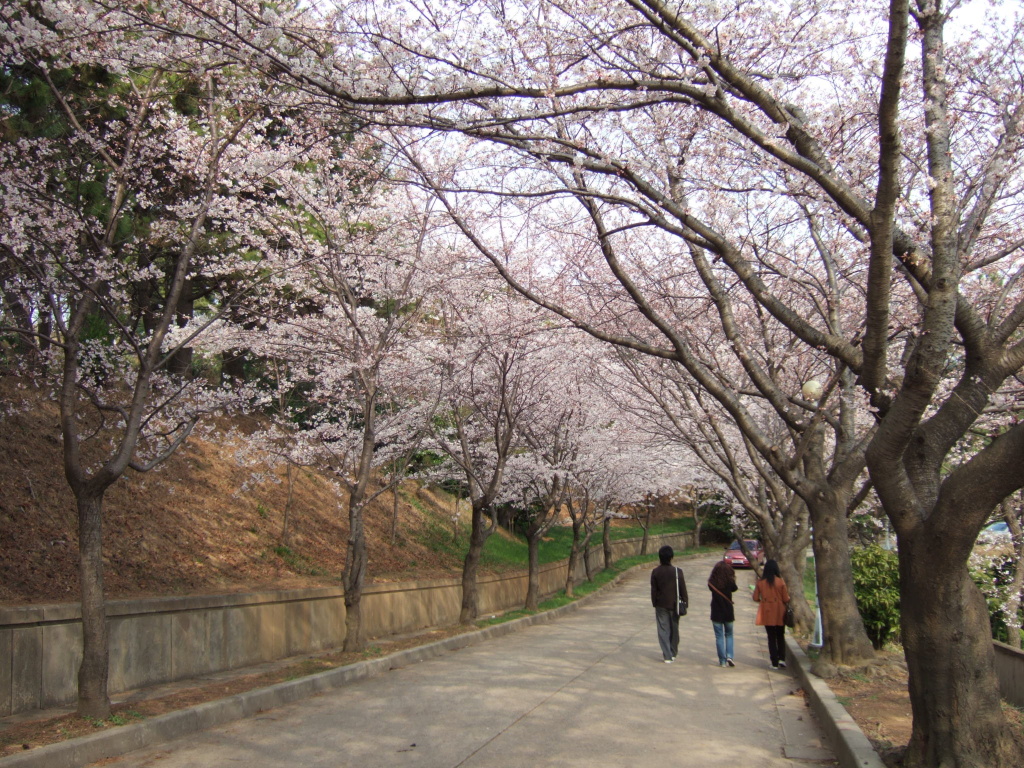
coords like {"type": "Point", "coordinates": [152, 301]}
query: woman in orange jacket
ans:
{"type": "Point", "coordinates": [772, 596]}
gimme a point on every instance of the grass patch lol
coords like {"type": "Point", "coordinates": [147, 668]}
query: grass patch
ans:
{"type": "Point", "coordinates": [810, 583]}
{"type": "Point", "coordinates": [298, 563]}
{"type": "Point", "coordinates": [504, 551]}
{"type": "Point", "coordinates": [600, 580]}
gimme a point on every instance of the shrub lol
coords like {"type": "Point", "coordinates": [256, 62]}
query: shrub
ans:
{"type": "Point", "coordinates": [993, 573]}
{"type": "Point", "coordinates": [876, 585]}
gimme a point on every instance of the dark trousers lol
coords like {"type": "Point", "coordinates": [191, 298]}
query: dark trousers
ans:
{"type": "Point", "coordinates": [776, 644]}
{"type": "Point", "coordinates": [668, 632]}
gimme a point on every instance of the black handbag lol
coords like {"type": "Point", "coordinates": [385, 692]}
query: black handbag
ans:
{"type": "Point", "coordinates": [788, 618]}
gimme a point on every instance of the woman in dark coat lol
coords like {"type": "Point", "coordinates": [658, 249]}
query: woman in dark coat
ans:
{"type": "Point", "coordinates": [772, 597]}
{"type": "Point", "coordinates": [722, 584]}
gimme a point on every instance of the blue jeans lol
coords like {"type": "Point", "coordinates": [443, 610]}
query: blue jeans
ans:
{"type": "Point", "coordinates": [723, 640]}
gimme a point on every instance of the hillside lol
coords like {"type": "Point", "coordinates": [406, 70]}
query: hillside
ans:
{"type": "Point", "coordinates": [185, 527]}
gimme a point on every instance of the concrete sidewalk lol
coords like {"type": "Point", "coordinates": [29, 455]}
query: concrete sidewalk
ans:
{"type": "Point", "coordinates": [589, 689]}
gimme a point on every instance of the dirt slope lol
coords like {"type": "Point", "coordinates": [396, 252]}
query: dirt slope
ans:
{"type": "Point", "coordinates": [185, 527]}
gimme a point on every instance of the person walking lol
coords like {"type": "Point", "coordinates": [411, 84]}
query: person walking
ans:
{"type": "Point", "coordinates": [722, 584]}
{"type": "Point", "coordinates": [668, 591]}
{"type": "Point", "coordinates": [772, 596]}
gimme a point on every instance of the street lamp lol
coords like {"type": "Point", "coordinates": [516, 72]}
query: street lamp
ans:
{"type": "Point", "coordinates": [812, 390]}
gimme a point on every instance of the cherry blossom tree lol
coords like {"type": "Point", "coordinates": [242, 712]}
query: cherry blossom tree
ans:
{"type": "Point", "coordinates": [671, 406]}
{"type": "Point", "coordinates": [486, 344]}
{"type": "Point", "coordinates": [652, 155]}
{"type": "Point", "coordinates": [350, 338]}
{"type": "Point", "coordinates": [140, 190]}
{"type": "Point", "coordinates": [693, 123]}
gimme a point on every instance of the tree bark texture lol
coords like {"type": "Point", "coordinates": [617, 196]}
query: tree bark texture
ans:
{"type": "Point", "coordinates": [479, 532]}
{"type": "Point", "coordinates": [954, 695]}
{"type": "Point", "coordinates": [845, 640]}
{"type": "Point", "coordinates": [355, 575]}
{"type": "Point", "coordinates": [93, 700]}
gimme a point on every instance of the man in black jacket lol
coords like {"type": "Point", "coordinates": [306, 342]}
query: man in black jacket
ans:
{"type": "Point", "coordinates": [666, 579]}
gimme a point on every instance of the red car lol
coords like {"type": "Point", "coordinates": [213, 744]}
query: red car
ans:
{"type": "Point", "coordinates": [735, 557]}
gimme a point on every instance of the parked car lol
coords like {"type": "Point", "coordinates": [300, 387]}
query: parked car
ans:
{"type": "Point", "coordinates": [998, 529]}
{"type": "Point", "coordinates": [735, 557]}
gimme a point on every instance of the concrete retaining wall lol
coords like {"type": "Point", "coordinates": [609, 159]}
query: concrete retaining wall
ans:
{"type": "Point", "coordinates": [161, 640]}
{"type": "Point", "coordinates": [1010, 671]}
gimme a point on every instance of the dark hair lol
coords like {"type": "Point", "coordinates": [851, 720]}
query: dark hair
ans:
{"type": "Point", "coordinates": [722, 575]}
{"type": "Point", "coordinates": [665, 554]}
{"type": "Point", "coordinates": [771, 570]}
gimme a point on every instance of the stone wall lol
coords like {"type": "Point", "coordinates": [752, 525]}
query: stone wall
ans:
{"type": "Point", "coordinates": [1010, 671]}
{"type": "Point", "coordinates": [161, 640]}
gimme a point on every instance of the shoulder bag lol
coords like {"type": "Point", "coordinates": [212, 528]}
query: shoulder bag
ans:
{"type": "Point", "coordinates": [681, 605]}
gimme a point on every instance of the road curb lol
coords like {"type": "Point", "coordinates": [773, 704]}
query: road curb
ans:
{"type": "Point", "coordinates": [851, 747]}
{"type": "Point", "coordinates": [118, 741]}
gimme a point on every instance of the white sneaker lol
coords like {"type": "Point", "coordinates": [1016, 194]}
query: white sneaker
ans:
{"type": "Point", "coordinates": [668, 661]}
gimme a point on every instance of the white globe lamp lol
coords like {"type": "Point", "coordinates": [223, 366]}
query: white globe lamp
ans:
{"type": "Point", "coordinates": [812, 390]}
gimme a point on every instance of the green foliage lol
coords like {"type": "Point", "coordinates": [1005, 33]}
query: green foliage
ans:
{"type": "Point", "coordinates": [559, 598]}
{"type": "Point", "coordinates": [810, 582]}
{"type": "Point", "coordinates": [717, 525]}
{"type": "Point", "coordinates": [876, 585]}
{"type": "Point", "coordinates": [994, 577]}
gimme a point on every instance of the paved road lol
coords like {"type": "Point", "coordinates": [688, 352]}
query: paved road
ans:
{"type": "Point", "coordinates": [588, 690]}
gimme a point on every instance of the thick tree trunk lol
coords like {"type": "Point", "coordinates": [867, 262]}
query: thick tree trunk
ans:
{"type": "Point", "coordinates": [948, 646]}
{"type": "Point", "coordinates": [845, 640]}
{"type": "Point", "coordinates": [477, 538]}
{"type": "Point", "coordinates": [93, 700]}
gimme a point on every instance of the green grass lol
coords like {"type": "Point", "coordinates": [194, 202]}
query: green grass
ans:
{"type": "Point", "coordinates": [600, 579]}
{"type": "Point", "coordinates": [505, 552]}
{"type": "Point", "coordinates": [810, 583]}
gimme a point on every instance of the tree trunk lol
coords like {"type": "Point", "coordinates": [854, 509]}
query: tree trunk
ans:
{"type": "Point", "coordinates": [587, 566]}
{"type": "Point", "coordinates": [606, 543]}
{"type": "Point", "coordinates": [477, 538]}
{"type": "Point", "coordinates": [646, 526]}
{"type": "Point", "coordinates": [948, 646]}
{"type": "Point", "coordinates": [533, 536]}
{"type": "Point", "coordinates": [355, 575]}
{"type": "Point", "coordinates": [845, 640]}
{"type": "Point", "coordinates": [574, 558]}
{"type": "Point", "coordinates": [93, 700]}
